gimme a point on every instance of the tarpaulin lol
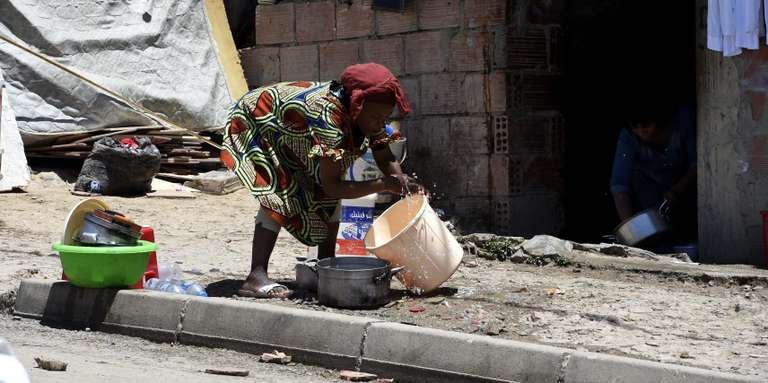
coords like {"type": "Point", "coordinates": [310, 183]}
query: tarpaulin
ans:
{"type": "Point", "coordinates": [160, 54]}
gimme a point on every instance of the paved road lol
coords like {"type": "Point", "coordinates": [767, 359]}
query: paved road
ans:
{"type": "Point", "coordinates": [98, 357]}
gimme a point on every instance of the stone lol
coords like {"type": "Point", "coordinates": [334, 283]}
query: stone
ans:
{"type": "Point", "coordinates": [275, 357]}
{"type": "Point", "coordinates": [545, 245]}
{"type": "Point", "coordinates": [435, 300]}
{"type": "Point", "coordinates": [356, 376]}
{"type": "Point", "coordinates": [50, 364]}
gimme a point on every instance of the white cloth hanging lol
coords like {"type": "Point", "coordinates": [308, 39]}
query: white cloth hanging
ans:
{"type": "Point", "coordinates": [735, 24]}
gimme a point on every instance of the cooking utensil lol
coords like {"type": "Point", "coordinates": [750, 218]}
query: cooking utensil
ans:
{"type": "Point", "coordinates": [306, 275]}
{"type": "Point", "coordinates": [644, 227]}
{"type": "Point", "coordinates": [354, 282]}
{"type": "Point", "coordinates": [108, 228]}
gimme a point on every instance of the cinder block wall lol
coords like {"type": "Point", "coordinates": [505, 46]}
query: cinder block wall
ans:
{"type": "Point", "coordinates": [474, 139]}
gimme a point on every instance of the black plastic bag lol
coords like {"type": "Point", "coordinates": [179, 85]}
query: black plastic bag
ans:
{"type": "Point", "coordinates": [120, 167]}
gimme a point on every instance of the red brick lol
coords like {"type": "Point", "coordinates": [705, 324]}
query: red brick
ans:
{"type": "Point", "coordinates": [315, 21]}
{"type": "Point", "coordinates": [440, 94]}
{"type": "Point", "coordinates": [411, 88]}
{"type": "Point", "coordinates": [336, 56]}
{"type": "Point", "coordinates": [473, 177]}
{"type": "Point", "coordinates": [469, 135]}
{"type": "Point", "coordinates": [500, 131]}
{"type": "Point", "coordinates": [261, 66]}
{"type": "Point", "coordinates": [499, 51]}
{"type": "Point", "coordinates": [539, 136]}
{"type": "Point", "coordinates": [473, 213]}
{"type": "Point", "coordinates": [528, 50]}
{"type": "Point", "coordinates": [299, 63]}
{"type": "Point", "coordinates": [469, 50]}
{"type": "Point", "coordinates": [274, 24]}
{"type": "Point", "coordinates": [426, 52]}
{"type": "Point", "coordinates": [498, 91]}
{"type": "Point", "coordinates": [485, 93]}
{"type": "Point", "coordinates": [499, 164]}
{"type": "Point", "coordinates": [427, 137]}
{"type": "Point", "coordinates": [355, 20]}
{"type": "Point", "coordinates": [387, 52]}
{"type": "Point", "coordinates": [438, 14]}
{"type": "Point", "coordinates": [480, 13]}
{"type": "Point", "coordinates": [473, 93]}
{"type": "Point", "coordinates": [389, 22]}
{"type": "Point", "coordinates": [534, 91]}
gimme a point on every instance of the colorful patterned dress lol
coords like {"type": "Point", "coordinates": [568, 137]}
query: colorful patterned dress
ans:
{"type": "Point", "coordinates": [273, 140]}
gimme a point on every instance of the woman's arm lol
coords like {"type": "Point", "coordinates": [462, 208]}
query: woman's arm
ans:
{"type": "Point", "coordinates": [623, 203]}
{"type": "Point", "coordinates": [334, 187]}
{"type": "Point", "coordinates": [687, 182]}
{"type": "Point", "coordinates": [386, 161]}
{"type": "Point", "coordinates": [621, 175]}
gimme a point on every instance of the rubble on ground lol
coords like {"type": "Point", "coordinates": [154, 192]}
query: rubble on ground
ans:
{"type": "Point", "coordinates": [545, 249]}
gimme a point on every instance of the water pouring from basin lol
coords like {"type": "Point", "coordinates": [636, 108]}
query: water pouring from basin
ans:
{"type": "Point", "coordinates": [410, 234]}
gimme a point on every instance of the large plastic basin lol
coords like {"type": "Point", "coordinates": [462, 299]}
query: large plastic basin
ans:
{"type": "Point", "coordinates": [99, 266]}
{"type": "Point", "coordinates": [410, 234]}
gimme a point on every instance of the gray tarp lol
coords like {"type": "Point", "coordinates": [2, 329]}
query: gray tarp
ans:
{"type": "Point", "coordinates": [158, 53]}
{"type": "Point", "coordinates": [14, 172]}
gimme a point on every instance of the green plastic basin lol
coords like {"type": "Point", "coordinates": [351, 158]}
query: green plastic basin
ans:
{"type": "Point", "coordinates": [99, 267]}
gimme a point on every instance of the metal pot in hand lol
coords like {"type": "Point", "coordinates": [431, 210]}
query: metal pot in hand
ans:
{"type": "Point", "coordinates": [354, 282]}
{"type": "Point", "coordinates": [644, 227]}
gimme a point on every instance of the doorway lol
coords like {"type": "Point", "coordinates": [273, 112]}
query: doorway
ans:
{"type": "Point", "coordinates": [618, 55]}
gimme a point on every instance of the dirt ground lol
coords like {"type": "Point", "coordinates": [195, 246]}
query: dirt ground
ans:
{"type": "Point", "coordinates": [596, 305]}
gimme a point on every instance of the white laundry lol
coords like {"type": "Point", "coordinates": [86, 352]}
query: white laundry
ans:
{"type": "Point", "coordinates": [735, 24]}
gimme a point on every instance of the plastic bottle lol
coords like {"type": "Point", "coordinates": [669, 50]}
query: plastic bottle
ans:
{"type": "Point", "coordinates": [172, 286]}
{"type": "Point", "coordinates": [95, 186]}
{"type": "Point", "coordinates": [169, 281]}
{"type": "Point", "coordinates": [175, 286]}
{"type": "Point", "coordinates": [196, 290]}
{"type": "Point", "coordinates": [167, 271]}
{"type": "Point", "coordinates": [152, 284]}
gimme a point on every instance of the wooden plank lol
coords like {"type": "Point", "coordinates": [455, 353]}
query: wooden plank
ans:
{"type": "Point", "coordinates": [60, 147]}
{"type": "Point", "coordinates": [108, 134]}
{"type": "Point", "coordinates": [188, 152]}
{"type": "Point", "coordinates": [171, 194]}
{"type": "Point", "coordinates": [174, 176]}
{"type": "Point", "coordinates": [59, 155]}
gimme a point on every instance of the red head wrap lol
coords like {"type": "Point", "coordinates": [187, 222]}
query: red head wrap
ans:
{"type": "Point", "coordinates": [363, 80]}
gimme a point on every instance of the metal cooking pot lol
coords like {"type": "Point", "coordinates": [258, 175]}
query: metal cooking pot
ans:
{"type": "Point", "coordinates": [644, 227]}
{"type": "Point", "coordinates": [354, 282]}
{"type": "Point", "coordinates": [306, 274]}
{"type": "Point", "coordinates": [108, 228]}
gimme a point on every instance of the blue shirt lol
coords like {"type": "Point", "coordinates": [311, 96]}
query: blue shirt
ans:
{"type": "Point", "coordinates": [647, 172]}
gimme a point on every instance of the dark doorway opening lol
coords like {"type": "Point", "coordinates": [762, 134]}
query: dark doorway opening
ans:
{"type": "Point", "coordinates": [618, 54]}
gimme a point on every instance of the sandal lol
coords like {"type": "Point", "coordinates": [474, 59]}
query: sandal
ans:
{"type": "Point", "coordinates": [267, 291]}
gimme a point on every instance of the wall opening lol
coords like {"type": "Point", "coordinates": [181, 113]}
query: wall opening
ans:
{"type": "Point", "coordinates": [617, 55]}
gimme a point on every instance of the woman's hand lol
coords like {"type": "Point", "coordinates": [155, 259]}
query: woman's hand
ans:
{"type": "Point", "coordinates": [401, 184]}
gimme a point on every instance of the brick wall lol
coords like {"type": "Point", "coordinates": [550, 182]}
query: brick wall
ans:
{"type": "Point", "coordinates": [451, 56]}
{"type": "Point", "coordinates": [529, 141]}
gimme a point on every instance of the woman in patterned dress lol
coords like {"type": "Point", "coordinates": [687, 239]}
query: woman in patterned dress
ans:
{"type": "Point", "coordinates": [290, 144]}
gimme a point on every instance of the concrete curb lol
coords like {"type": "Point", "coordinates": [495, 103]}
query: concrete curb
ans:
{"type": "Point", "coordinates": [407, 353]}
